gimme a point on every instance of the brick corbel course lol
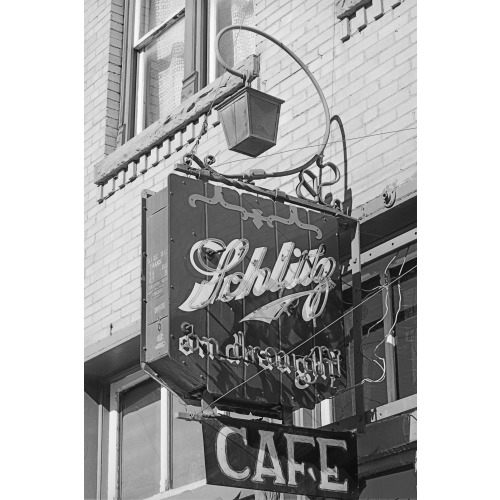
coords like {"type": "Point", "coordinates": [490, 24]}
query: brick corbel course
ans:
{"type": "Point", "coordinates": [346, 8]}
{"type": "Point", "coordinates": [177, 120]}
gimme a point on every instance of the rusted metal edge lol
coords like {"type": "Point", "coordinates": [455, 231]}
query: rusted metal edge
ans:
{"type": "Point", "coordinates": [375, 206]}
{"type": "Point", "coordinates": [189, 111]}
{"type": "Point", "coordinates": [400, 458]}
{"type": "Point", "coordinates": [411, 445]}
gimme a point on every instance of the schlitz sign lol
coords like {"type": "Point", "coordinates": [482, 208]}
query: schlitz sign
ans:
{"type": "Point", "coordinates": [242, 294]}
{"type": "Point", "coordinates": [270, 457]}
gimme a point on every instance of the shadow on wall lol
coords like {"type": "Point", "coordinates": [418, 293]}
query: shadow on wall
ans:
{"type": "Point", "coordinates": [347, 202]}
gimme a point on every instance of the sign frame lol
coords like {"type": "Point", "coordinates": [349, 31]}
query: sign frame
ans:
{"type": "Point", "coordinates": [198, 377]}
{"type": "Point", "coordinates": [258, 455]}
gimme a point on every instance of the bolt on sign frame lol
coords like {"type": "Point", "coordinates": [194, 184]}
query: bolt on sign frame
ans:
{"type": "Point", "coordinates": [241, 293]}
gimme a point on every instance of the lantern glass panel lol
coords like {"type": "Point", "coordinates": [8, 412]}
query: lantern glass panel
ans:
{"type": "Point", "coordinates": [240, 107]}
{"type": "Point", "coordinates": [264, 115]}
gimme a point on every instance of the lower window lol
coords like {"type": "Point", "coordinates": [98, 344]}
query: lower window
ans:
{"type": "Point", "coordinates": [147, 436]}
{"type": "Point", "coordinates": [389, 333]}
{"type": "Point", "coordinates": [140, 441]}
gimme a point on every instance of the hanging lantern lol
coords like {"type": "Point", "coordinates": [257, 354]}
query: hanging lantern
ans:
{"type": "Point", "coordinates": [250, 121]}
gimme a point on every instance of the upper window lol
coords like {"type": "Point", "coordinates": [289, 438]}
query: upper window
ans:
{"type": "Point", "coordinates": [236, 45]}
{"type": "Point", "coordinates": [159, 30]}
{"type": "Point", "coordinates": [170, 54]}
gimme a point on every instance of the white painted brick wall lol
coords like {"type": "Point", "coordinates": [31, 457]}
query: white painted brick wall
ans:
{"type": "Point", "coordinates": [369, 80]}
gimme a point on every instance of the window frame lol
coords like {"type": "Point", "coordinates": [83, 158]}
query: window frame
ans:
{"type": "Point", "coordinates": [195, 14]}
{"type": "Point", "coordinates": [383, 254]}
{"type": "Point", "coordinates": [139, 48]}
{"type": "Point", "coordinates": [165, 488]}
{"type": "Point", "coordinates": [133, 63]}
{"type": "Point", "coordinates": [132, 82]}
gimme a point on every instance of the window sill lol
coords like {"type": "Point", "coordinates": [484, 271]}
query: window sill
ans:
{"type": "Point", "coordinates": [176, 121]}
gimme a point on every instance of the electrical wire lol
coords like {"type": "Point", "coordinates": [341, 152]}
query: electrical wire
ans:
{"type": "Point", "coordinates": [307, 340]}
{"type": "Point", "coordinates": [381, 366]}
{"type": "Point", "coordinates": [316, 145]}
{"type": "Point", "coordinates": [389, 334]}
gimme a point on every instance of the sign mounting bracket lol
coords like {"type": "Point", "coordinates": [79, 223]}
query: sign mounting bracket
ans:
{"type": "Point", "coordinates": [206, 174]}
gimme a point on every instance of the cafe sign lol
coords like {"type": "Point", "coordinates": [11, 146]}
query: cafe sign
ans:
{"type": "Point", "coordinates": [270, 457]}
{"type": "Point", "coordinates": [242, 296]}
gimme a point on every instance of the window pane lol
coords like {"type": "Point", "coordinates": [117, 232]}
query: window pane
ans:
{"type": "Point", "coordinates": [188, 455]}
{"type": "Point", "coordinates": [375, 393]}
{"type": "Point", "coordinates": [343, 406]}
{"type": "Point", "coordinates": [140, 441]}
{"type": "Point", "coordinates": [372, 311]}
{"type": "Point", "coordinates": [164, 73]}
{"type": "Point", "coordinates": [406, 329]}
{"type": "Point", "coordinates": [236, 45]}
{"type": "Point", "coordinates": [154, 12]}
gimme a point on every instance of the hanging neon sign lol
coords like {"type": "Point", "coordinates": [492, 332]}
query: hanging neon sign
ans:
{"type": "Point", "coordinates": [242, 296]}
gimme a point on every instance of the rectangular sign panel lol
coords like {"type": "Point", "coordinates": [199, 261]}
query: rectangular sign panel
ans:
{"type": "Point", "coordinates": [270, 457]}
{"type": "Point", "coordinates": [242, 298]}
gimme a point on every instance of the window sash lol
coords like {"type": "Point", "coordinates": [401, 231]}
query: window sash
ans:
{"type": "Point", "coordinates": [114, 428]}
{"type": "Point", "coordinates": [140, 46]}
{"type": "Point", "coordinates": [150, 36]}
{"type": "Point", "coordinates": [199, 57]}
{"type": "Point", "coordinates": [166, 438]}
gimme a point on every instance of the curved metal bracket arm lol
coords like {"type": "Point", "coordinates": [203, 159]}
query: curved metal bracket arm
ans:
{"type": "Point", "coordinates": [321, 148]}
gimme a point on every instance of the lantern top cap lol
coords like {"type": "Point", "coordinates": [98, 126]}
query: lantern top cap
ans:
{"type": "Point", "coordinates": [251, 91]}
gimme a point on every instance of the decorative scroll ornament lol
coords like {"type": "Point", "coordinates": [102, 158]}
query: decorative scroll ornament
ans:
{"type": "Point", "coordinates": [256, 215]}
{"type": "Point", "coordinates": [316, 190]}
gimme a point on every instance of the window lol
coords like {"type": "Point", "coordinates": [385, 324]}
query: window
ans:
{"type": "Point", "coordinates": [146, 437]}
{"type": "Point", "coordinates": [389, 331]}
{"type": "Point", "coordinates": [169, 54]}
{"type": "Point", "coordinates": [140, 441]}
{"type": "Point", "coordinates": [159, 27]}
{"type": "Point", "coordinates": [236, 45]}
{"type": "Point", "coordinates": [404, 298]}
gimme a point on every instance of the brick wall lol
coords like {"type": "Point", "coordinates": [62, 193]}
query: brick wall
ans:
{"type": "Point", "coordinates": [369, 80]}
{"type": "Point", "coordinates": [102, 59]}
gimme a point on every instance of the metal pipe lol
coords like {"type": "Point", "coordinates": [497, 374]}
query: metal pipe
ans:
{"type": "Point", "coordinates": [326, 135]}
